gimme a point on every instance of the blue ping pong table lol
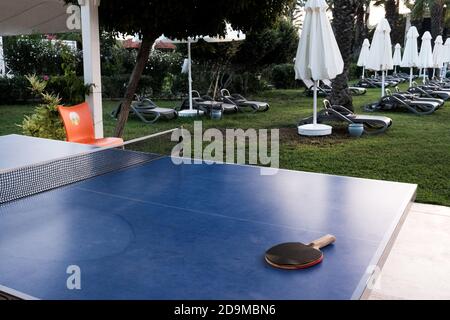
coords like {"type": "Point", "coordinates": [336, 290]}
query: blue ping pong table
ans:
{"type": "Point", "coordinates": [163, 231]}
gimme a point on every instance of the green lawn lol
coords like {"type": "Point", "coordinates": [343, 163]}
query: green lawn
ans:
{"type": "Point", "coordinates": [415, 150]}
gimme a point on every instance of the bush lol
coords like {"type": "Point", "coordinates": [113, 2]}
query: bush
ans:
{"type": "Point", "coordinates": [246, 83]}
{"type": "Point", "coordinates": [37, 55]}
{"type": "Point", "coordinates": [14, 90]}
{"type": "Point", "coordinates": [274, 45]}
{"type": "Point", "coordinates": [179, 84]}
{"type": "Point", "coordinates": [71, 90]}
{"type": "Point", "coordinates": [115, 59]}
{"type": "Point", "coordinates": [160, 68]}
{"type": "Point", "coordinates": [114, 87]}
{"type": "Point", "coordinates": [45, 121]}
{"type": "Point", "coordinates": [354, 72]}
{"type": "Point", "coordinates": [283, 76]}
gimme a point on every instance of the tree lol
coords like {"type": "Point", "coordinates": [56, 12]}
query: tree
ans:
{"type": "Point", "coordinates": [274, 45]}
{"type": "Point", "coordinates": [179, 19]}
{"type": "Point", "coordinates": [361, 29]}
{"type": "Point", "coordinates": [344, 12]}
{"type": "Point", "coordinates": [295, 11]}
{"type": "Point", "coordinates": [432, 10]}
{"type": "Point", "coordinates": [394, 18]}
{"type": "Point", "coordinates": [437, 14]}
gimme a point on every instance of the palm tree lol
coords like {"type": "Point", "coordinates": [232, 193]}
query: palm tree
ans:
{"type": "Point", "coordinates": [432, 10]}
{"type": "Point", "coordinates": [396, 21]}
{"type": "Point", "coordinates": [361, 29]}
{"type": "Point", "coordinates": [344, 12]}
{"type": "Point", "coordinates": [295, 12]}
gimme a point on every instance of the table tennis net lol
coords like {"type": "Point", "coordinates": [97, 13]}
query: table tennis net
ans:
{"type": "Point", "coordinates": [28, 180]}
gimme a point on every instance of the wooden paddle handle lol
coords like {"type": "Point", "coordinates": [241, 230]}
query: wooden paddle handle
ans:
{"type": "Point", "coordinates": [323, 242]}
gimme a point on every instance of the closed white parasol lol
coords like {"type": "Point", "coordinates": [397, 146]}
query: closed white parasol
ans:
{"type": "Point", "coordinates": [364, 56]}
{"type": "Point", "coordinates": [446, 56]}
{"type": "Point", "coordinates": [318, 57]}
{"type": "Point", "coordinates": [411, 55]}
{"type": "Point", "coordinates": [438, 55]}
{"type": "Point", "coordinates": [397, 58]}
{"type": "Point", "coordinates": [426, 54]}
{"type": "Point", "coordinates": [380, 55]}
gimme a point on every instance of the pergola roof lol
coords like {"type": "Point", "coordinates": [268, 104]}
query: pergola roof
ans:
{"type": "Point", "coordinates": [32, 16]}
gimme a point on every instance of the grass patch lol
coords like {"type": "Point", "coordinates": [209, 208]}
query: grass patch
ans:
{"type": "Point", "coordinates": [414, 150]}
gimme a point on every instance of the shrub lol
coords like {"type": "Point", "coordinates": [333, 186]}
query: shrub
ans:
{"type": "Point", "coordinates": [274, 45]}
{"type": "Point", "coordinates": [71, 89]}
{"type": "Point", "coordinates": [246, 82]}
{"type": "Point", "coordinates": [114, 86]}
{"type": "Point", "coordinates": [13, 90]}
{"type": "Point", "coordinates": [115, 59]}
{"type": "Point", "coordinates": [354, 72]}
{"type": "Point", "coordinates": [45, 121]}
{"type": "Point", "coordinates": [36, 55]}
{"type": "Point", "coordinates": [160, 66]}
{"type": "Point", "coordinates": [283, 76]}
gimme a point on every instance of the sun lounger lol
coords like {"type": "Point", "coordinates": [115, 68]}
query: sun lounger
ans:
{"type": "Point", "coordinates": [242, 103]}
{"type": "Point", "coordinates": [227, 106]}
{"type": "Point", "coordinates": [207, 104]}
{"type": "Point", "coordinates": [356, 91]}
{"type": "Point", "coordinates": [418, 97]}
{"type": "Point", "coordinates": [147, 111]}
{"type": "Point", "coordinates": [372, 124]}
{"type": "Point", "coordinates": [375, 83]}
{"type": "Point", "coordinates": [430, 91]}
{"type": "Point", "coordinates": [321, 91]}
{"type": "Point", "coordinates": [398, 102]}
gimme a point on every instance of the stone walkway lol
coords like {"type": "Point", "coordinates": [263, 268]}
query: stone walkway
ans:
{"type": "Point", "coordinates": [418, 266]}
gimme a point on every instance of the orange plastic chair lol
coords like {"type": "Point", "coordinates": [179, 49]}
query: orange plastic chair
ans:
{"type": "Point", "coordinates": [80, 126]}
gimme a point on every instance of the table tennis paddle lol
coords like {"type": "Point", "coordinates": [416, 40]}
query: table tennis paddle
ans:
{"type": "Point", "coordinates": [295, 255]}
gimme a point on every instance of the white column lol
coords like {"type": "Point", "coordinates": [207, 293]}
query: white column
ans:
{"type": "Point", "coordinates": [91, 60]}
{"type": "Point", "coordinates": [2, 60]}
{"type": "Point", "coordinates": [410, 77]}
{"type": "Point", "coordinates": [190, 75]}
{"type": "Point", "coordinates": [316, 84]}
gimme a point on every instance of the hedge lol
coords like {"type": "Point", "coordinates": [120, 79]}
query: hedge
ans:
{"type": "Point", "coordinates": [16, 90]}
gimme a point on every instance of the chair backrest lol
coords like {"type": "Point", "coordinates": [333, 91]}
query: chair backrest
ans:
{"type": "Point", "coordinates": [77, 122]}
{"type": "Point", "coordinates": [308, 83]}
{"type": "Point", "coordinates": [196, 94]}
{"type": "Point", "coordinates": [225, 93]}
{"type": "Point", "coordinates": [327, 104]}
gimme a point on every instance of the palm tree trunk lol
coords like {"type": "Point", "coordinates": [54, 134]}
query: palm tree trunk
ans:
{"type": "Point", "coordinates": [437, 18]}
{"type": "Point", "coordinates": [360, 28]}
{"type": "Point", "coordinates": [396, 21]}
{"type": "Point", "coordinates": [344, 12]}
{"type": "Point", "coordinates": [141, 60]}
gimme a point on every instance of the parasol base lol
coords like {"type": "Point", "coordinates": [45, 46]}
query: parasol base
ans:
{"type": "Point", "coordinates": [190, 113]}
{"type": "Point", "coordinates": [314, 130]}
